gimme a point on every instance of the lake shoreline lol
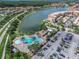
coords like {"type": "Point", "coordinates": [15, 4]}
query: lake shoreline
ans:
{"type": "Point", "coordinates": [33, 20]}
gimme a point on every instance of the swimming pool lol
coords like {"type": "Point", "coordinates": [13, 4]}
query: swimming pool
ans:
{"type": "Point", "coordinates": [31, 40]}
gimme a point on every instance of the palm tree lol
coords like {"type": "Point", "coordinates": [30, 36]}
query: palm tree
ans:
{"type": "Point", "coordinates": [76, 30]}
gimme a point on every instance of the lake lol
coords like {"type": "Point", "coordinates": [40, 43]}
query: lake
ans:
{"type": "Point", "coordinates": [33, 20]}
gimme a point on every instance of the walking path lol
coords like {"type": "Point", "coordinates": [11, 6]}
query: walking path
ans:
{"type": "Point", "coordinates": [3, 34]}
{"type": "Point", "coordinates": [4, 50]}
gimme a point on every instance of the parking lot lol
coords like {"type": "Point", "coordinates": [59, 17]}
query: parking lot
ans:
{"type": "Point", "coordinates": [61, 46]}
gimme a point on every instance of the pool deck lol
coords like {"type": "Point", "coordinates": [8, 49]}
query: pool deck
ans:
{"type": "Point", "coordinates": [20, 47]}
{"type": "Point", "coordinates": [23, 47]}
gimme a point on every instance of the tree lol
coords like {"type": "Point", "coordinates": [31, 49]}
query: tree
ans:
{"type": "Point", "coordinates": [34, 47]}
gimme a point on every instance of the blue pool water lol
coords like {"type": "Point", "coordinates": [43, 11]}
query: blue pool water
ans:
{"type": "Point", "coordinates": [27, 40]}
{"type": "Point", "coordinates": [31, 40]}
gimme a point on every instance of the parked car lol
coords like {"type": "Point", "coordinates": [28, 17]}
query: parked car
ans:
{"type": "Point", "coordinates": [59, 49]}
{"type": "Point", "coordinates": [45, 48]}
{"type": "Point", "coordinates": [48, 45]}
{"type": "Point", "coordinates": [66, 46]}
{"type": "Point", "coordinates": [54, 39]}
{"type": "Point", "coordinates": [68, 37]}
{"type": "Point", "coordinates": [62, 55]}
{"type": "Point", "coordinates": [55, 54]}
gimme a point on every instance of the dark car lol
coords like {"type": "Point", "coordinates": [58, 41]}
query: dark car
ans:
{"type": "Point", "coordinates": [55, 39]}
{"type": "Point", "coordinates": [48, 45]}
{"type": "Point", "coordinates": [66, 46]}
{"type": "Point", "coordinates": [59, 49]}
{"type": "Point", "coordinates": [61, 44]}
{"type": "Point", "coordinates": [62, 55]}
{"type": "Point", "coordinates": [55, 54]}
{"type": "Point", "coordinates": [45, 49]}
{"type": "Point", "coordinates": [68, 37]}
